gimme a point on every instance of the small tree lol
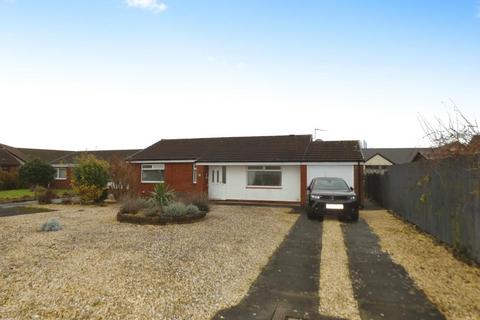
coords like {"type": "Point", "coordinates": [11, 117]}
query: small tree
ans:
{"type": "Point", "coordinates": [36, 173]}
{"type": "Point", "coordinates": [90, 178]}
{"type": "Point", "coordinates": [123, 179]}
{"type": "Point", "coordinates": [457, 129]}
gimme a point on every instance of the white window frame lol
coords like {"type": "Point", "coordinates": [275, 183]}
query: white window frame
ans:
{"type": "Point", "coordinates": [57, 173]}
{"type": "Point", "coordinates": [194, 173]}
{"type": "Point", "coordinates": [264, 168]}
{"type": "Point", "coordinates": [152, 167]}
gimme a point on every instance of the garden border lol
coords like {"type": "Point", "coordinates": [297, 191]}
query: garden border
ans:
{"type": "Point", "coordinates": [160, 220]}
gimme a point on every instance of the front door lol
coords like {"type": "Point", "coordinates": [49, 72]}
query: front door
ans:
{"type": "Point", "coordinates": [217, 180]}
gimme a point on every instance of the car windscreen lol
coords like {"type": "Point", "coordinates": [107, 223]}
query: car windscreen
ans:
{"type": "Point", "coordinates": [330, 184]}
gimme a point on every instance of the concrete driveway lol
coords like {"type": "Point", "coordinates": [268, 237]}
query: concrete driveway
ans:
{"type": "Point", "coordinates": [291, 287]}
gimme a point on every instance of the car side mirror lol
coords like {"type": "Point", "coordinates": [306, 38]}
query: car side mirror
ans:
{"type": "Point", "coordinates": [309, 189]}
{"type": "Point", "coordinates": [351, 188]}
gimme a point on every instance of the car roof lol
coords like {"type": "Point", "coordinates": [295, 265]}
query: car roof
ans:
{"type": "Point", "coordinates": [328, 178]}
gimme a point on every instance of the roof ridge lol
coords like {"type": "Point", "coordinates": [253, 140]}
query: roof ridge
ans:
{"type": "Point", "coordinates": [103, 150]}
{"type": "Point", "coordinates": [64, 156]}
{"type": "Point", "coordinates": [239, 137]}
{"type": "Point", "coordinates": [22, 148]}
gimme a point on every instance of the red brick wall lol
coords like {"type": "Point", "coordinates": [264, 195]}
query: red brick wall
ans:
{"type": "Point", "coordinates": [63, 184]}
{"type": "Point", "coordinates": [358, 182]}
{"type": "Point", "coordinates": [303, 185]}
{"type": "Point", "coordinates": [179, 176]}
{"type": "Point", "coordinates": [10, 168]}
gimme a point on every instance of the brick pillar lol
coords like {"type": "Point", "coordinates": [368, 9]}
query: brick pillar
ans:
{"type": "Point", "coordinates": [303, 185]}
{"type": "Point", "coordinates": [358, 183]}
{"type": "Point", "coordinates": [202, 179]}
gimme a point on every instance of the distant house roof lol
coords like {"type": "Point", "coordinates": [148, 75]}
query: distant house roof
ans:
{"type": "Point", "coordinates": [44, 154]}
{"type": "Point", "coordinates": [451, 149]}
{"type": "Point", "coordinates": [106, 155]}
{"type": "Point", "coordinates": [7, 159]}
{"type": "Point", "coordinates": [288, 148]}
{"type": "Point", "coordinates": [10, 156]}
{"type": "Point", "coordinates": [394, 155]}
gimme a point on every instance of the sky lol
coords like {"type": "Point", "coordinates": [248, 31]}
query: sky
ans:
{"type": "Point", "coordinates": [116, 74]}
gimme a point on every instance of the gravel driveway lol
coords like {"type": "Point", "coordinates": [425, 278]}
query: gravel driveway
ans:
{"type": "Point", "coordinates": [98, 268]}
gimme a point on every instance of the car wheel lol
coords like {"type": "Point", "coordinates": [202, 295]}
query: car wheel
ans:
{"type": "Point", "coordinates": [354, 217]}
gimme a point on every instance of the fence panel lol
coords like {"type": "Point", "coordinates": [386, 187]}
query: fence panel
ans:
{"type": "Point", "coordinates": [441, 197]}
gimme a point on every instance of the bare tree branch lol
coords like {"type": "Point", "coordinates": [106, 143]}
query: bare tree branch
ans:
{"type": "Point", "coordinates": [456, 129]}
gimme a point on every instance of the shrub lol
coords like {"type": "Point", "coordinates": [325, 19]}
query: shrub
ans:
{"type": "Point", "coordinates": [163, 194]}
{"type": "Point", "coordinates": [36, 172]}
{"type": "Point", "coordinates": [152, 210]}
{"type": "Point", "coordinates": [67, 201]}
{"type": "Point", "coordinates": [67, 193]}
{"type": "Point", "coordinates": [10, 180]}
{"type": "Point", "coordinates": [44, 195]}
{"type": "Point", "coordinates": [192, 209]}
{"type": "Point", "coordinates": [132, 205]}
{"type": "Point", "coordinates": [90, 178]}
{"type": "Point", "coordinates": [52, 224]}
{"type": "Point", "coordinates": [198, 199]}
{"type": "Point", "coordinates": [175, 209]}
{"type": "Point", "coordinates": [123, 179]}
{"type": "Point", "coordinates": [90, 194]}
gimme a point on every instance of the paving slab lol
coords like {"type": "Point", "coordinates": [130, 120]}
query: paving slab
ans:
{"type": "Point", "coordinates": [382, 288]}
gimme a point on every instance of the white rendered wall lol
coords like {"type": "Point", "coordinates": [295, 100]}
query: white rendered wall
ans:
{"type": "Point", "coordinates": [340, 171]}
{"type": "Point", "coordinates": [378, 160]}
{"type": "Point", "coordinates": [236, 186]}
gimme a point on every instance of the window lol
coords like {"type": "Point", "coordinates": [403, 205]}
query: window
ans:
{"type": "Point", "coordinates": [153, 173]}
{"type": "Point", "coordinates": [264, 176]}
{"type": "Point", "coordinates": [194, 173]}
{"type": "Point", "coordinates": [224, 174]}
{"type": "Point", "coordinates": [60, 174]}
{"type": "Point", "coordinates": [329, 184]}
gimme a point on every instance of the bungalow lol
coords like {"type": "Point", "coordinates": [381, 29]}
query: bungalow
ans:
{"type": "Point", "coordinates": [262, 168]}
{"type": "Point", "coordinates": [63, 165]}
{"type": "Point", "coordinates": [452, 149]}
{"type": "Point", "coordinates": [12, 158]}
{"type": "Point", "coordinates": [377, 160]}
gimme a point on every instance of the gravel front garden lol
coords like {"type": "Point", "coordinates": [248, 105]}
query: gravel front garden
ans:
{"type": "Point", "coordinates": [454, 286]}
{"type": "Point", "coordinates": [96, 267]}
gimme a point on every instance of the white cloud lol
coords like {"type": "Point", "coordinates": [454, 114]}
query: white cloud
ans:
{"type": "Point", "coordinates": [152, 5]}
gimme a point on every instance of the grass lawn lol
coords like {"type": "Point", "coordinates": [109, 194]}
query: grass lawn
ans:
{"type": "Point", "coordinates": [16, 194]}
{"type": "Point", "coordinates": [21, 193]}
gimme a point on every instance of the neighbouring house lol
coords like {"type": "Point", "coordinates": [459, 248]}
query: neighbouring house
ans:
{"type": "Point", "coordinates": [261, 168]}
{"type": "Point", "coordinates": [12, 158]}
{"type": "Point", "coordinates": [377, 160]}
{"type": "Point", "coordinates": [448, 150]}
{"type": "Point", "coordinates": [46, 155]}
{"type": "Point", "coordinates": [64, 164]}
